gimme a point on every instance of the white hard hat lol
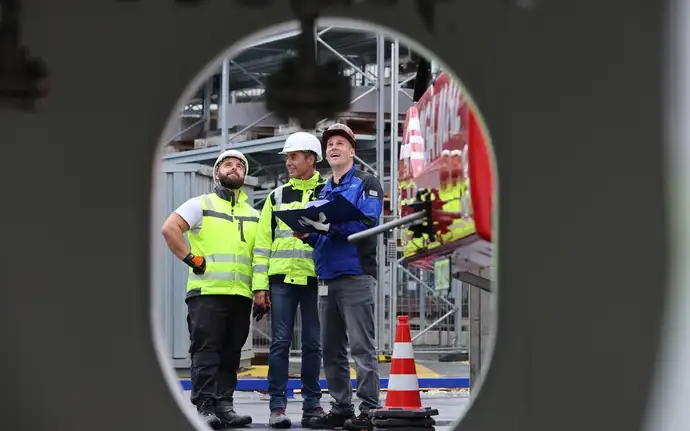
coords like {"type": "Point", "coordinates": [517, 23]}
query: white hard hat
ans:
{"type": "Point", "coordinates": [230, 153]}
{"type": "Point", "coordinates": [303, 141]}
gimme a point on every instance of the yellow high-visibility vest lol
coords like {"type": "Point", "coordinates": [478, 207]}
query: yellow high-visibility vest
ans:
{"type": "Point", "coordinates": [226, 241]}
{"type": "Point", "coordinates": [276, 251]}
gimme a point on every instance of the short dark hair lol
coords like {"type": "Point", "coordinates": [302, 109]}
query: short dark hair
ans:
{"type": "Point", "coordinates": [313, 154]}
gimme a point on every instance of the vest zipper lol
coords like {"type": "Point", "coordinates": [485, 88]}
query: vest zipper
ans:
{"type": "Point", "coordinates": [305, 197]}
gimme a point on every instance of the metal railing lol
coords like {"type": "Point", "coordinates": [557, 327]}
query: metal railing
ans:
{"type": "Point", "coordinates": [439, 319]}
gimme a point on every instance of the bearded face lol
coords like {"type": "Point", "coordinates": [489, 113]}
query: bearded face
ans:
{"type": "Point", "coordinates": [231, 173]}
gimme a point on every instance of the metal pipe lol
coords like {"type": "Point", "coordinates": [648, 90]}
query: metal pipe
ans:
{"type": "Point", "coordinates": [406, 80]}
{"type": "Point", "coordinates": [378, 85]}
{"type": "Point", "coordinates": [441, 350]}
{"type": "Point", "coordinates": [356, 99]}
{"type": "Point", "coordinates": [208, 89]}
{"type": "Point", "coordinates": [258, 203]}
{"type": "Point", "coordinates": [366, 165]}
{"type": "Point", "coordinates": [386, 226]}
{"type": "Point", "coordinates": [342, 57]}
{"type": "Point", "coordinates": [406, 95]}
{"type": "Point", "coordinates": [177, 135]}
{"type": "Point", "coordinates": [325, 30]}
{"type": "Point", "coordinates": [245, 128]}
{"type": "Point", "coordinates": [268, 337]}
{"type": "Point", "coordinates": [225, 89]}
{"type": "Point", "coordinates": [248, 73]}
{"type": "Point", "coordinates": [456, 292]}
{"type": "Point", "coordinates": [394, 175]}
{"type": "Point", "coordinates": [419, 334]}
{"type": "Point", "coordinates": [395, 88]}
{"type": "Point", "coordinates": [424, 284]}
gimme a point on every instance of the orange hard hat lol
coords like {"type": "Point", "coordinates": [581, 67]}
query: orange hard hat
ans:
{"type": "Point", "coordinates": [342, 130]}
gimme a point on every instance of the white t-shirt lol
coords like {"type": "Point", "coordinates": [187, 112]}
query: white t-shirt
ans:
{"type": "Point", "coordinates": [192, 213]}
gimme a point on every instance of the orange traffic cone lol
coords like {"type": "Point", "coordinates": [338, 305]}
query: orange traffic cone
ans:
{"type": "Point", "coordinates": [403, 386]}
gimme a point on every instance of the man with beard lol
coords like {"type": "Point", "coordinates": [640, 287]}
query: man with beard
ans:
{"type": "Point", "coordinates": [221, 229]}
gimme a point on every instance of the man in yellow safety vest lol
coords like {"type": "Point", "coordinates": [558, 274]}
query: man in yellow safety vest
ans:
{"type": "Point", "coordinates": [221, 229]}
{"type": "Point", "coordinates": [284, 271]}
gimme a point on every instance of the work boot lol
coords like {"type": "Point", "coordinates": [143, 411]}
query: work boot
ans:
{"type": "Point", "coordinates": [208, 415]}
{"type": "Point", "coordinates": [279, 419]}
{"type": "Point", "coordinates": [331, 420]}
{"type": "Point", "coordinates": [226, 414]}
{"type": "Point", "coordinates": [361, 422]}
{"type": "Point", "coordinates": [311, 414]}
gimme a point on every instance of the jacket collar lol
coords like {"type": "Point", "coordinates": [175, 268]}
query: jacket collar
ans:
{"type": "Point", "coordinates": [346, 178]}
{"type": "Point", "coordinates": [227, 195]}
{"type": "Point", "coordinates": [299, 184]}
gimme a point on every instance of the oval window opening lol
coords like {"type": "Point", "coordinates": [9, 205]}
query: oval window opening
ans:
{"type": "Point", "coordinates": [284, 243]}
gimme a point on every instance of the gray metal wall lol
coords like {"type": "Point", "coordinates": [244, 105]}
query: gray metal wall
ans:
{"type": "Point", "coordinates": [175, 184]}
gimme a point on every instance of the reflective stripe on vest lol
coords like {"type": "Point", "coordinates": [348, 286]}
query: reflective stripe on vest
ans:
{"type": "Point", "coordinates": [278, 195]}
{"type": "Point", "coordinates": [224, 240]}
{"type": "Point", "coordinates": [285, 255]}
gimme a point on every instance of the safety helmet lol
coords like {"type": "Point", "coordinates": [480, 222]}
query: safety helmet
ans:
{"type": "Point", "coordinates": [303, 141]}
{"type": "Point", "coordinates": [342, 130]}
{"type": "Point", "coordinates": [230, 153]}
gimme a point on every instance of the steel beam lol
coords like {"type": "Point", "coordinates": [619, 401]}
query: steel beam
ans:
{"type": "Point", "coordinates": [224, 93]}
{"type": "Point", "coordinates": [208, 89]}
{"type": "Point", "coordinates": [248, 73]}
{"type": "Point", "coordinates": [185, 130]}
{"type": "Point", "coordinates": [480, 329]}
{"type": "Point", "coordinates": [380, 165]}
{"type": "Point", "coordinates": [366, 165]}
{"type": "Point", "coordinates": [248, 127]}
{"type": "Point", "coordinates": [475, 280]}
{"type": "Point", "coordinates": [271, 144]}
{"type": "Point", "coordinates": [395, 46]}
{"type": "Point", "coordinates": [345, 59]}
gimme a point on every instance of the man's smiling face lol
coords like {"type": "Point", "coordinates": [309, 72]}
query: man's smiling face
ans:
{"type": "Point", "coordinates": [339, 151]}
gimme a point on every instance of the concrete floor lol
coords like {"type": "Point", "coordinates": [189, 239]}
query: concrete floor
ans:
{"type": "Point", "coordinates": [450, 404]}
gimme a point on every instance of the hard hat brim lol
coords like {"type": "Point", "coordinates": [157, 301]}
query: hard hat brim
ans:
{"type": "Point", "coordinates": [338, 132]}
{"type": "Point", "coordinates": [318, 157]}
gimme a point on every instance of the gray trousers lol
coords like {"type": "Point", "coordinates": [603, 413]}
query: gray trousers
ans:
{"type": "Point", "coordinates": [348, 313]}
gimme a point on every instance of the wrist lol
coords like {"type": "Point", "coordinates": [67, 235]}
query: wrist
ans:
{"type": "Point", "coordinates": [189, 259]}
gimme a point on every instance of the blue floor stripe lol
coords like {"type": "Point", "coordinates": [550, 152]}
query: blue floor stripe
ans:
{"type": "Point", "coordinates": [424, 383]}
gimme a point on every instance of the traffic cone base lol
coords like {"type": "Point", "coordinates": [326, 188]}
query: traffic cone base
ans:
{"type": "Point", "coordinates": [390, 413]}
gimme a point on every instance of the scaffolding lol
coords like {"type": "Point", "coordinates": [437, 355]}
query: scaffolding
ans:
{"type": "Point", "coordinates": [227, 111]}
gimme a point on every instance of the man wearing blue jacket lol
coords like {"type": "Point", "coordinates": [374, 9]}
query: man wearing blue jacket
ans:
{"type": "Point", "coordinates": [348, 273]}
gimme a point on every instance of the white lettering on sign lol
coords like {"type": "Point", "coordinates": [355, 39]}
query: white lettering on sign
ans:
{"type": "Point", "coordinates": [427, 122]}
{"type": "Point", "coordinates": [440, 116]}
{"type": "Point", "coordinates": [449, 121]}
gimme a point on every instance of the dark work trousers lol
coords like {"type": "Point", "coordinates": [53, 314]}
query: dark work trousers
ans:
{"type": "Point", "coordinates": [218, 328]}
{"type": "Point", "coordinates": [349, 319]}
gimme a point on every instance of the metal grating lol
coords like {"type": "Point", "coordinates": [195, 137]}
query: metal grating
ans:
{"type": "Point", "coordinates": [392, 248]}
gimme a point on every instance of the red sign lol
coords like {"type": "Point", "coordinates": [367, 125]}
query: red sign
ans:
{"type": "Point", "coordinates": [444, 145]}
